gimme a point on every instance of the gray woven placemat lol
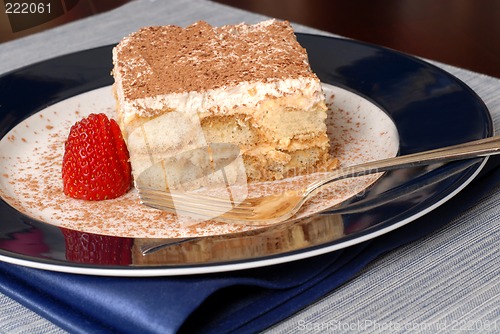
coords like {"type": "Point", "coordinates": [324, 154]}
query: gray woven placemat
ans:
{"type": "Point", "coordinates": [447, 279]}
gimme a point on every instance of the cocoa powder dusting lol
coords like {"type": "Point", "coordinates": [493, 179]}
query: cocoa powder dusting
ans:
{"type": "Point", "coordinates": [169, 59]}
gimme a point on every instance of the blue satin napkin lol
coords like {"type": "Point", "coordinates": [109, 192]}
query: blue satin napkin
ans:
{"type": "Point", "coordinates": [244, 301]}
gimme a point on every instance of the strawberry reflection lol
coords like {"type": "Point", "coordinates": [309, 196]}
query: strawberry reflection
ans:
{"type": "Point", "coordinates": [82, 247]}
{"type": "Point", "coordinates": [29, 241]}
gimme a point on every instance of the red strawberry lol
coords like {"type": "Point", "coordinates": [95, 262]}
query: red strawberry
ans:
{"type": "Point", "coordinates": [96, 162]}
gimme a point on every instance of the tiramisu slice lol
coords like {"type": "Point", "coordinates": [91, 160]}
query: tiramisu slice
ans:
{"type": "Point", "coordinates": [251, 85]}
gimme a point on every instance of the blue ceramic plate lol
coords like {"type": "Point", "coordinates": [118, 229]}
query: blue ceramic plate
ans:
{"type": "Point", "coordinates": [429, 107]}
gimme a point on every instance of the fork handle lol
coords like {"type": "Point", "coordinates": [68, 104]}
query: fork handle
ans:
{"type": "Point", "coordinates": [468, 150]}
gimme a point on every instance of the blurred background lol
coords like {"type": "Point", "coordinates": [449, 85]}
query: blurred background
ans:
{"type": "Point", "coordinates": [464, 33]}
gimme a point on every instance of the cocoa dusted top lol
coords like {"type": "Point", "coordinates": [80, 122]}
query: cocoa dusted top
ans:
{"type": "Point", "coordinates": [169, 59]}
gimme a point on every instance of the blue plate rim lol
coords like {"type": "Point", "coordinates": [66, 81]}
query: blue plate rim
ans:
{"type": "Point", "coordinates": [321, 49]}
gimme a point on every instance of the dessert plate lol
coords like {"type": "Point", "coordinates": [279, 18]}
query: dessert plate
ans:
{"type": "Point", "coordinates": [386, 101]}
{"type": "Point", "coordinates": [32, 154]}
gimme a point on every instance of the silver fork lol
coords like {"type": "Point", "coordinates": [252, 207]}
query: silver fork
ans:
{"type": "Point", "coordinates": [272, 209]}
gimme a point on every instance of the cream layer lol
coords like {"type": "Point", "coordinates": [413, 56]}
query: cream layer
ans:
{"type": "Point", "coordinates": [220, 101]}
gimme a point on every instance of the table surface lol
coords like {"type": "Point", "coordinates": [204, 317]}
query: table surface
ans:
{"type": "Point", "coordinates": [463, 33]}
{"type": "Point", "coordinates": [469, 298]}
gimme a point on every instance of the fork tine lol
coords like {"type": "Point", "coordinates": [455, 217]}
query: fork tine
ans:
{"type": "Point", "coordinates": [199, 206]}
{"type": "Point", "coordinates": [190, 203]}
{"type": "Point", "coordinates": [196, 211]}
{"type": "Point", "coordinates": [195, 199]}
{"type": "Point", "coordinates": [167, 204]}
{"type": "Point", "coordinates": [182, 196]}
